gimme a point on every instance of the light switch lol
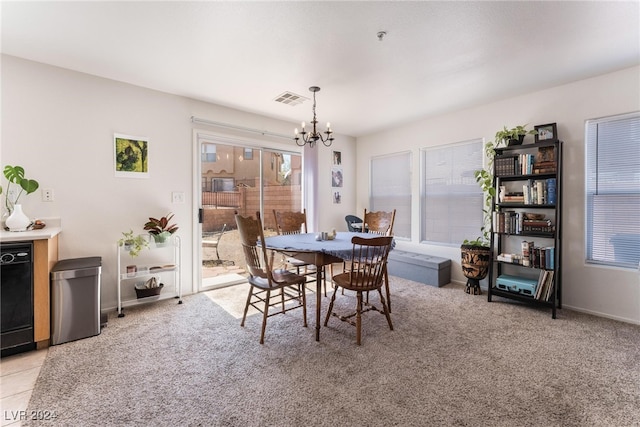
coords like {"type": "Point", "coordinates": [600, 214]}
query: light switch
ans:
{"type": "Point", "coordinates": [177, 197]}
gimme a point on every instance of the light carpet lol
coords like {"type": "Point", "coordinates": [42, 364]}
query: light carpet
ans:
{"type": "Point", "coordinates": [452, 359]}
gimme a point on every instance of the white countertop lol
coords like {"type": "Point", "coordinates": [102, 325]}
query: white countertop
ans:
{"type": "Point", "coordinates": [53, 228]}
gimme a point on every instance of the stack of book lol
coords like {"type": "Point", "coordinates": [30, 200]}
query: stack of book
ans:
{"type": "Point", "coordinates": [539, 192]}
{"type": "Point", "coordinates": [513, 197]}
{"type": "Point", "coordinates": [538, 257]}
{"type": "Point", "coordinates": [544, 167]}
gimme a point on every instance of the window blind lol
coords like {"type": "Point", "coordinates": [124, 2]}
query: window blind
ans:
{"type": "Point", "coordinates": [451, 199]}
{"type": "Point", "coordinates": [391, 189]}
{"type": "Point", "coordinates": [613, 190]}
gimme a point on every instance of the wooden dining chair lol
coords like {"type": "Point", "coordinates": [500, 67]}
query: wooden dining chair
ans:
{"type": "Point", "coordinates": [365, 273]}
{"type": "Point", "coordinates": [381, 222]}
{"type": "Point", "coordinates": [264, 280]}
{"type": "Point", "coordinates": [288, 222]}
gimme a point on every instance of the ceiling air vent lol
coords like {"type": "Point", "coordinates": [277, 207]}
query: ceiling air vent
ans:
{"type": "Point", "coordinates": [290, 98]}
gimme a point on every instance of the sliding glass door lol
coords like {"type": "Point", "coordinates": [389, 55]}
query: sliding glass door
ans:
{"type": "Point", "coordinates": [238, 177]}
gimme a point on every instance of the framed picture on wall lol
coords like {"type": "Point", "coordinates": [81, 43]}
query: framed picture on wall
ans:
{"type": "Point", "coordinates": [336, 177]}
{"type": "Point", "coordinates": [337, 197]}
{"type": "Point", "coordinates": [131, 156]}
{"type": "Point", "coordinates": [548, 132]}
{"type": "Point", "coordinates": [337, 158]}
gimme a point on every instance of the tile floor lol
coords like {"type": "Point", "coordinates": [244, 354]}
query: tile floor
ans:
{"type": "Point", "coordinates": [18, 374]}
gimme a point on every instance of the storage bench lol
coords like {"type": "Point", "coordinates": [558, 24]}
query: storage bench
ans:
{"type": "Point", "coordinates": [427, 269]}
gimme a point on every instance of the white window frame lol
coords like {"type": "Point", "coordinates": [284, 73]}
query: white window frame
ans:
{"type": "Point", "coordinates": [459, 221]}
{"type": "Point", "coordinates": [390, 188]}
{"type": "Point", "coordinates": [612, 191]}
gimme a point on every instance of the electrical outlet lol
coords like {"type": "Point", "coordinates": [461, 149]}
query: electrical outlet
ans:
{"type": "Point", "coordinates": [47, 195]}
{"type": "Point", "coordinates": [12, 194]}
{"type": "Point", "coordinates": [177, 197]}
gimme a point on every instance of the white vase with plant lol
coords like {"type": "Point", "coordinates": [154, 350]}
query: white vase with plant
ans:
{"type": "Point", "coordinates": [16, 220]}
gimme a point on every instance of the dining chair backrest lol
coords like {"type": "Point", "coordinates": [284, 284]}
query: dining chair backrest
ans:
{"type": "Point", "coordinates": [379, 222]}
{"type": "Point", "coordinates": [351, 220]}
{"type": "Point", "coordinates": [288, 222]}
{"type": "Point", "coordinates": [255, 254]}
{"type": "Point", "coordinates": [368, 261]}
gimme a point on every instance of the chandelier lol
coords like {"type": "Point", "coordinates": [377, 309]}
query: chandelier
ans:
{"type": "Point", "coordinates": [313, 136]}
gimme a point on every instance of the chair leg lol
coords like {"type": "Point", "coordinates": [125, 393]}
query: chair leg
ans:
{"type": "Point", "coordinates": [246, 306]}
{"type": "Point", "coordinates": [264, 316]}
{"type": "Point", "coordinates": [385, 310]}
{"type": "Point", "coordinates": [304, 303]}
{"type": "Point", "coordinates": [359, 318]}
{"type": "Point", "coordinates": [386, 286]}
{"type": "Point", "coordinates": [330, 309]}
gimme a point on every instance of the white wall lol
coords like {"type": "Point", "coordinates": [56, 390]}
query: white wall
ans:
{"type": "Point", "coordinates": [609, 292]}
{"type": "Point", "coordinates": [59, 125]}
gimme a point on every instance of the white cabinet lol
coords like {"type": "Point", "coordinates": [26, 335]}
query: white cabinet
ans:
{"type": "Point", "coordinates": [159, 263]}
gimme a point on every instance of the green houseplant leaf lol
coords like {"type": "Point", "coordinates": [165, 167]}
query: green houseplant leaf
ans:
{"type": "Point", "coordinates": [16, 175]}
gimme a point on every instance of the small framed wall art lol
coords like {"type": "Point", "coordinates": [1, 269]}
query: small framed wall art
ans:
{"type": "Point", "coordinates": [546, 133]}
{"type": "Point", "coordinates": [131, 156]}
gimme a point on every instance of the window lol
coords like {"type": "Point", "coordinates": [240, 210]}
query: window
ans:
{"type": "Point", "coordinates": [612, 199]}
{"type": "Point", "coordinates": [451, 199]}
{"type": "Point", "coordinates": [248, 154]}
{"type": "Point", "coordinates": [208, 153]}
{"type": "Point", "coordinates": [391, 189]}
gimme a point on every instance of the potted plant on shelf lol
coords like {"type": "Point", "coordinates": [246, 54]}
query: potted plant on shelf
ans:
{"type": "Point", "coordinates": [160, 229]}
{"type": "Point", "coordinates": [16, 220]}
{"type": "Point", "coordinates": [133, 244]}
{"type": "Point", "coordinates": [513, 136]}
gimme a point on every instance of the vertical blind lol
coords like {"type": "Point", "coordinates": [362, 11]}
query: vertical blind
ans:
{"type": "Point", "coordinates": [391, 189]}
{"type": "Point", "coordinates": [451, 199]}
{"type": "Point", "coordinates": [613, 190]}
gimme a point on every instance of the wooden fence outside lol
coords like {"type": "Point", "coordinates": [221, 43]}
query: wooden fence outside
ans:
{"type": "Point", "coordinates": [219, 207]}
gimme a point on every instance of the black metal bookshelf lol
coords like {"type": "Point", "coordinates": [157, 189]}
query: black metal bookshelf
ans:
{"type": "Point", "coordinates": [518, 274]}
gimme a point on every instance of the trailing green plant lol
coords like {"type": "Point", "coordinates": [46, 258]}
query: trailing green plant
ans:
{"type": "Point", "coordinates": [15, 175]}
{"type": "Point", "coordinates": [157, 226]}
{"type": "Point", "coordinates": [505, 135]}
{"type": "Point", "coordinates": [484, 178]}
{"type": "Point", "coordinates": [133, 243]}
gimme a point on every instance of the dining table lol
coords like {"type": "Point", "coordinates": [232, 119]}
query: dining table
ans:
{"type": "Point", "coordinates": [310, 248]}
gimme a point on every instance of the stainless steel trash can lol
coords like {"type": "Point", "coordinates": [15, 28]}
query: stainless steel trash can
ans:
{"type": "Point", "coordinates": [75, 299]}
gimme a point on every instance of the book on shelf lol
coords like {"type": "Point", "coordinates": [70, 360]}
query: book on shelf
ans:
{"type": "Point", "coordinates": [542, 277]}
{"type": "Point", "coordinates": [551, 191]}
{"type": "Point", "coordinates": [548, 286]}
{"type": "Point", "coordinates": [536, 191]}
{"type": "Point", "coordinates": [546, 154]}
{"type": "Point", "coordinates": [513, 197]}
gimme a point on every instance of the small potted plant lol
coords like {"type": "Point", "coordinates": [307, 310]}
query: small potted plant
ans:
{"type": "Point", "coordinates": [160, 229]}
{"type": "Point", "coordinates": [513, 136]}
{"type": "Point", "coordinates": [133, 244]}
{"type": "Point", "coordinates": [14, 218]}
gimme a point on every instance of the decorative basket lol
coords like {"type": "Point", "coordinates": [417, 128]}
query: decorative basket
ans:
{"type": "Point", "coordinates": [143, 292]}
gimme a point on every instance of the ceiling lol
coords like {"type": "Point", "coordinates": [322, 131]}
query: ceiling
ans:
{"type": "Point", "coordinates": [436, 57]}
